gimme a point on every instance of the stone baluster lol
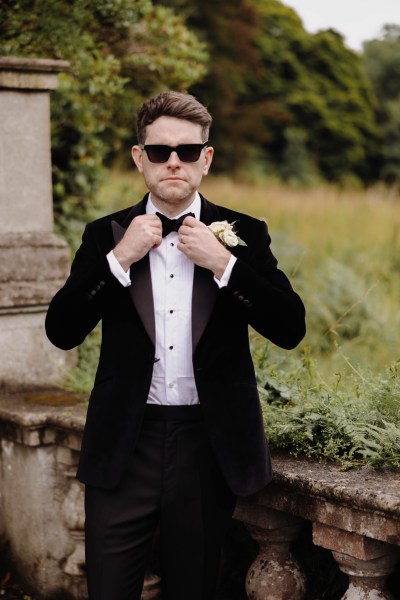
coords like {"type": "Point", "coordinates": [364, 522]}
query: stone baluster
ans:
{"type": "Point", "coordinates": [274, 574]}
{"type": "Point", "coordinates": [366, 561]}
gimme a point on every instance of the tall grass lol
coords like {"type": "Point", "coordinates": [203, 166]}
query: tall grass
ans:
{"type": "Point", "coordinates": [340, 249]}
{"type": "Point", "coordinates": [338, 395]}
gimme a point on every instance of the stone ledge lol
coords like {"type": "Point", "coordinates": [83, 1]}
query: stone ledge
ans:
{"type": "Point", "coordinates": [366, 487]}
{"type": "Point", "coordinates": [38, 74]}
{"type": "Point", "coordinates": [39, 239]}
{"type": "Point", "coordinates": [38, 65]}
{"type": "Point", "coordinates": [32, 269]}
{"type": "Point", "coordinates": [28, 296]}
{"type": "Point", "coordinates": [52, 409]}
{"type": "Point", "coordinates": [363, 501]}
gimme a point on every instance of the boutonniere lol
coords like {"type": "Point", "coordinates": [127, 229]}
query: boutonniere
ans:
{"type": "Point", "coordinates": [225, 233]}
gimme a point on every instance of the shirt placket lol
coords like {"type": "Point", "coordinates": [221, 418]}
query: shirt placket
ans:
{"type": "Point", "coordinates": [171, 315]}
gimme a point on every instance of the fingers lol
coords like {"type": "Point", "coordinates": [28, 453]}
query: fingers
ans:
{"type": "Point", "coordinates": [200, 245]}
{"type": "Point", "coordinates": [191, 222]}
{"type": "Point", "coordinates": [143, 234]}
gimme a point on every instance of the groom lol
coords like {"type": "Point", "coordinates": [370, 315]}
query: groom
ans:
{"type": "Point", "coordinates": [174, 430]}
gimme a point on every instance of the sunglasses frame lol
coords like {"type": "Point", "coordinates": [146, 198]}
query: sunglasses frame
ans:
{"type": "Point", "coordinates": [178, 149]}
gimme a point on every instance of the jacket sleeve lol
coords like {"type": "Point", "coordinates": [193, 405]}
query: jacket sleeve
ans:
{"type": "Point", "coordinates": [265, 294]}
{"type": "Point", "coordinates": [80, 304]}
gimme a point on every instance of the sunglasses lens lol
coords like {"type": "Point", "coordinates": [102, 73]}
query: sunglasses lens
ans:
{"type": "Point", "coordinates": [189, 152]}
{"type": "Point", "coordinates": [158, 153]}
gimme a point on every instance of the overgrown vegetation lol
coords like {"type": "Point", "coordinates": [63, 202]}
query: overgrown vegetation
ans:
{"type": "Point", "coordinates": [111, 46]}
{"type": "Point", "coordinates": [353, 422]}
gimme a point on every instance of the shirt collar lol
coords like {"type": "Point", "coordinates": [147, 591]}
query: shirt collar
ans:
{"type": "Point", "coordinates": [194, 207]}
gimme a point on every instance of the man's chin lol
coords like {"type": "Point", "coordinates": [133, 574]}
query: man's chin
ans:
{"type": "Point", "coordinates": [175, 193]}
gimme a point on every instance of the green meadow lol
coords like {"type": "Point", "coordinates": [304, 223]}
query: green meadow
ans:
{"type": "Point", "coordinates": [337, 396]}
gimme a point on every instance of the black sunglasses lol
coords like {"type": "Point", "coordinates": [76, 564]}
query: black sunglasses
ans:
{"type": "Point", "coordinates": [159, 153]}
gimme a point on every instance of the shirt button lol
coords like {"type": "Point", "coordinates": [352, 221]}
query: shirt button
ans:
{"type": "Point", "coordinates": [171, 311]}
{"type": "Point", "coordinates": [171, 385]}
{"type": "Point", "coordinates": [171, 275]}
{"type": "Point", "coordinates": [171, 347]}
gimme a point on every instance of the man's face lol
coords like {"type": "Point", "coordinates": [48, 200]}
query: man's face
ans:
{"type": "Point", "coordinates": [173, 183]}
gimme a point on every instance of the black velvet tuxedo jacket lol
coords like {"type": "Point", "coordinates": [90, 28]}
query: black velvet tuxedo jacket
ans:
{"type": "Point", "coordinates": [258, 294]}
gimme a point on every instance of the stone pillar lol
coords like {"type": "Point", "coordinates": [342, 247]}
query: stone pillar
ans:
{"type": "Point", "coordinates": [366, 561]}
{"type": "Point", "coordinates": [33, 261]}
{"type": "Point", "coordinates": [275, 574]}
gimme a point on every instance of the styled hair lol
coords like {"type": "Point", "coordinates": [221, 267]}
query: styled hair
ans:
{"type": "Point", "coordinates": [172, 104]}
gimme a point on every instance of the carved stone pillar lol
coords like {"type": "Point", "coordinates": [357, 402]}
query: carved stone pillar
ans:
{"type": "Point", "coordinates": [33, 261]}
{"type": "Point", "coordinates": [275, 574]}
{"type": "Point", "coordinates": [367, 562]}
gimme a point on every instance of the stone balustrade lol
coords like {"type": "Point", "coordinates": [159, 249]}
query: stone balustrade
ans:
{"type": "Point", "coordinates": [354, 514]}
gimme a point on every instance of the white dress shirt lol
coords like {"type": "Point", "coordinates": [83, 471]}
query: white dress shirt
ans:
{"type": "Point", "coordinates": [172, 283]}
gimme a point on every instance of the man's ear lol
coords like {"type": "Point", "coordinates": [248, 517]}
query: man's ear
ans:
{"type": "Point", "coordinates": [208, 155]}
{"type": "Point", "coordinates": [137, 155]}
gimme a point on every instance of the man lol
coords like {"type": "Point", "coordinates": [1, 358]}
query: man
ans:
{"type": "Point", "coordinates": [174, 431]}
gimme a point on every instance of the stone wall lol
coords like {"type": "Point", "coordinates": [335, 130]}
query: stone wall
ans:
{"type": "Point", "coordinates": [355, 515]}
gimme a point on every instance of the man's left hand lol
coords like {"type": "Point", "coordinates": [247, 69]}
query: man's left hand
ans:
{"type": "Point", "coordinates": [201, 246]}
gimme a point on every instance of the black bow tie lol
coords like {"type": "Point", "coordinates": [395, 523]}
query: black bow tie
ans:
{"type": "Point", "coordinates": [169, 225]}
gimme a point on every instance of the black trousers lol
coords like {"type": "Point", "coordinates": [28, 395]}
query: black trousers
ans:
{"type": "Point", "coordinates": [173, 482]}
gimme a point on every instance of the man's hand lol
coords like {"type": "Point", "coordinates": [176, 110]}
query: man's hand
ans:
{"type": "Point", "coordinates": [143, 234]}
{"type": "Point", "coordinates": [202, 247]}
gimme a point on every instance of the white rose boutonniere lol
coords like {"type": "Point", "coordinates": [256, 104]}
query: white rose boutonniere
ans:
{"type": "Point", "coordinates": [225, 233]}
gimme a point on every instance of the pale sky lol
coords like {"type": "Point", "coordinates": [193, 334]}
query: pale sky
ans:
{"type": "Point", "coordinates": [356, 20]}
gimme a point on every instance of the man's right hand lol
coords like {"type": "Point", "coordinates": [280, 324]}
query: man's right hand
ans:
{"type": "Point", "coordinates": [143, 234]}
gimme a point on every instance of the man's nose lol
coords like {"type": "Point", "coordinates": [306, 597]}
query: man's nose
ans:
{"type": "Point", "coordinates": [174, 159]}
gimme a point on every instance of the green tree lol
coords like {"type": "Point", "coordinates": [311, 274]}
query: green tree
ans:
{"type": "Point", "coordinates": [382, 64]}
{"type": "Point", "coordinates": [321, 86]}
{"type": "Point", "coordinates": [272, 86]}
{"type": "Point", "coordinates": [120, 51]}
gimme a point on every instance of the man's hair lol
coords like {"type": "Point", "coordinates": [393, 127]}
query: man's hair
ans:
{"type": "Point", "coordinates": [172, 104]}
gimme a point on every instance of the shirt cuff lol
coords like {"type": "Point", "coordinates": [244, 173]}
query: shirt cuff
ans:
{"type": "Point", "coordinates": [117, 270]}
{"type": "Point", "coordinates": [223, 282]}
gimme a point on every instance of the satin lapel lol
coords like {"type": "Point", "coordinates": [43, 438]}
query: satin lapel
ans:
{"type": "Point", "coordinates": [205, 290]}
{"type": "Point", "coordinates": [141, 290]}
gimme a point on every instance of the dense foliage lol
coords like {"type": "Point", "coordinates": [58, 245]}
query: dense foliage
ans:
{"type": "Point", "coordinates": [352, 424]}
{"type": "Point", "coordinates": [120, 52]}
{"type": "Point", "coordinates": [286, 102]}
